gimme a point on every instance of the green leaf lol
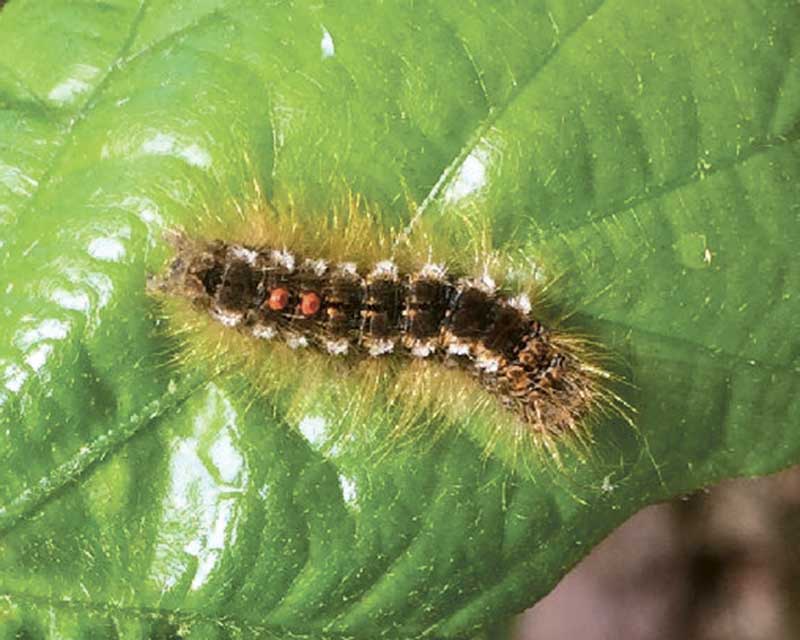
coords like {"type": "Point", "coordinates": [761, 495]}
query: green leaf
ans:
{"type": "Point", "coordinates": [650, 154]}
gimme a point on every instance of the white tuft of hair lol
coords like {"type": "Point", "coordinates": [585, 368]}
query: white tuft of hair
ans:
{"type": "Point", "coordinates": [337, 347]}
{"type": "Point", "coordinates": [227, 318]}
{"type": "Point", "coordinates": [521, 303]}
{"type": "Point", "coordinates": [297, 342]}
{"type": "Point", "coordinates": [422, 349]}
{"type": "Point", "coordinates": [458, 348]}
{"type": "Point", "coordinates": [264, 331]}
{"type": "Point", "coordinates": [489, 365]}
{"type": "Point", "coordinates": [433, 270]}
{"type": "Point", "coordinates": [283, 259]}
{"type": "Point", "coordinates": [381, 347]}
{"type": "Point", "coordinates": [486, 283]}
{"type": "Point", "coordinates": [348, 269]}
{"type": "Point", "coordinates": [319, 267]}
{"type": "Point", "coordinates": [384, 269]}
{"type": "Point", "coordinates": [243, 253]}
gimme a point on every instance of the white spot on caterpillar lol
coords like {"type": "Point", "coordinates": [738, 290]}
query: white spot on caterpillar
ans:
{"type": "Point", "coordinates": [486, 283]}
{"type": "Point", "coordinates": [283, 259]}
{"type": "Point", "coordinates": [422, 349]}
{"type": "Point", "coordinates": [381, 347]}
{"type": "Point", "coordinates": [489, 365]}
{"type": "Point", "coordinates": [384, 269]}
{"type": "Point", "coordinates": [521, 303]}
{"type": "Point", "coordinates": [264, 332]}
{"type": "Point", "coordinates": [297, 342]}
{"type": "Point", "coordinates": [337, 347]}
{"type": "Point", "coordinates": [318, 267]}
{"type": "Point", "coordinates": [227, 318]}
{"type": "Point", "coordinates": [348, 269]}
{"type": "Point", "coordinates": [242, 253]}
{"type": "Point", "coordinates": [458, 348]}
{"type": "Point", "coordinates": [433, 271]}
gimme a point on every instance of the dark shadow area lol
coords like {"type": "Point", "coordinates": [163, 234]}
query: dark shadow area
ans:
{"type": "Point", "coordinates": [723, 564]}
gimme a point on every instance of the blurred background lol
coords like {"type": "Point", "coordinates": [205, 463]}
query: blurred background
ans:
{"type": "Point", "coordinates": [723, 564]}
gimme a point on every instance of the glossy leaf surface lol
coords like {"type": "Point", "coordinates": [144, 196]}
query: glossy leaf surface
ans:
{"type": "Point", "coordinates": [649, 152]}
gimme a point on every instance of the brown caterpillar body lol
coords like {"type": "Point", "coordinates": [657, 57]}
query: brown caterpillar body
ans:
{"type": "Point", "coordinates": [428, 313]}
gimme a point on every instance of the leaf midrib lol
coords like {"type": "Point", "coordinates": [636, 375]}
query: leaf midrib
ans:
{"type": "Point", "coordinates": [91, 454]}
{"type": "Point", "coordinates": [492, 117]}
{"type": "Point", "coordinates": [87, 107]}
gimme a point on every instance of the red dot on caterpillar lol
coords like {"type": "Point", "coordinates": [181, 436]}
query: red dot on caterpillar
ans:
{"type": "Point", "coordinates": [309, 303]}
{"type": "Point", "coordinates": [278, 299]}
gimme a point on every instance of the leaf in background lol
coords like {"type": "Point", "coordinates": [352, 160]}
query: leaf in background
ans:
{"type": "Point", "coordinates": [649, 153]}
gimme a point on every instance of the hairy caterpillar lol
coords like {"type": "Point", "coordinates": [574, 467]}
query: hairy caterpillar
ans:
{"type": "Point", "coordinates": [427, 336]}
